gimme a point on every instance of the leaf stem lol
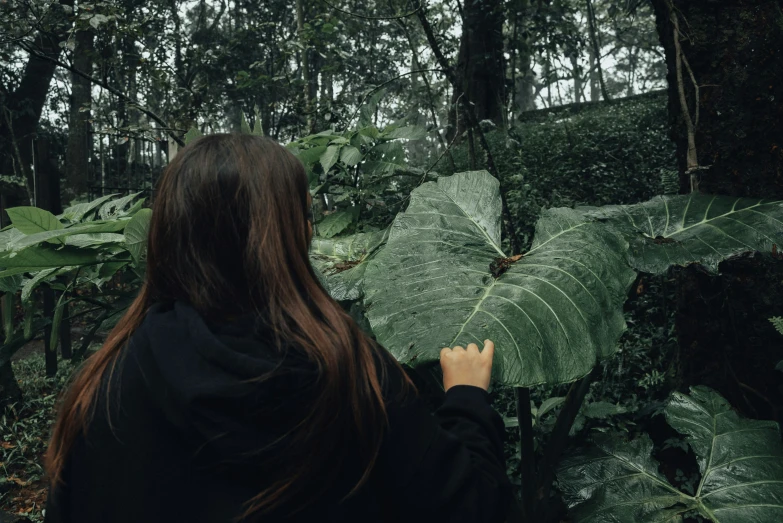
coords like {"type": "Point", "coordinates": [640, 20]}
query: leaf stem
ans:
{"type": "Point", "coordinates": [527, 468]}
{"type": "Point", "coordinates": [559, 439]}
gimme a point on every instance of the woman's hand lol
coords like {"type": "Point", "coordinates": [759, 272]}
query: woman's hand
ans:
{"type": "Point", "coordinates": [467, 366]}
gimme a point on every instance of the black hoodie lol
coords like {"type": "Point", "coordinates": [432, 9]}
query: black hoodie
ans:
{"type": "Point", "coordinates": [191, 437]}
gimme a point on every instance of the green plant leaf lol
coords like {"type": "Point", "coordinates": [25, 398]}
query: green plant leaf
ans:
{"type": "Point", "coordinates": [552, 315]}
{"type": "Point", "coordinates": [548, 405]}
{"type": "Point", "coordinates": [193, 134]}
{"type": "Point", "coordinates": [8, 238]}
{"type": "Point", "coordinates": [342, 261]}
{"type": "Point", "coordinates": [741, 460]}
{"type": "Point", "coordinates": [31, 220]}
{"type": "Point", "coordinates": [245, 126]}
{"type": "Point", "coordinates": [57, 318]}
{"type": "Point", "coordinates": [136, 236]}
{"type": "Point", "coordinates": [88, 228]}
{"type": "Point", "coordinates": [310, 156]}
{"type": "Point", "coordinates": [618, 481]}
{"type": "Point", "coordinates": [350, 155]}
{"type": "Point", "coordinates": [77, 212]}
{"type": "Point", "coordinates": [93, 240]}
{"type": "Point", "coordinates": [11, 280]}
{"type": "Point", "coordinates": [330, 156]}
{"type": "Point", "coordinates": [335, 223]}
{"type": "Point", "coordinates": [40, 256]}
{"type": "Point", "coordinates": [114, 208]}
{"type": "Point", "coordinates": [698, 228]}
{"type": "Point", "coordinates": [741, 463]}
{"type": "Point", "coordinates": [31, 284]}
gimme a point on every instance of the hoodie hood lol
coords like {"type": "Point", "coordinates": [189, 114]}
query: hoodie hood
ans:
{"type": "Point", "coordinates": [229, 390]}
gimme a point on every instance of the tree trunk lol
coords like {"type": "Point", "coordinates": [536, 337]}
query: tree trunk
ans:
{"type": "Point", "coordinates": [524, 95]}
{"type": "Point", "coordinates": [480, 64]}
{"type": "Point", "coordinates": [79, 150]}
{"type": "Point", "coordinates": [306, 76]}
{"type": "Point", "coordinates": [577, 74]}
{"type": "Point", "coordinates": [595, 43]}
{"type": "Point", "coordinates": [726, 116]}
{"type": "Point", "coordinates": [24, 106]}
{"type": "Point", "coordinates": [595, 86]}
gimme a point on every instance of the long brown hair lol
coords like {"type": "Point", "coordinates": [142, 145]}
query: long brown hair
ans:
{"type": "Point", "coordinates": [229, 235]}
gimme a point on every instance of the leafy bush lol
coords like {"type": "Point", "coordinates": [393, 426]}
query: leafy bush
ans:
{"type": "Point", "coordinates": [615, 153]}
{"type": "Point", "coordinates": [24, 431]}
{"type": "Point", "coordinates": [83, 248]}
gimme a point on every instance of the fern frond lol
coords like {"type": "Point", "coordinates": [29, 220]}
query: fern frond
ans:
{"type": "Point", "coordinates": [777, 321]}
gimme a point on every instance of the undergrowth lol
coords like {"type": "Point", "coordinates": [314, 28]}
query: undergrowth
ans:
{"type": "Point", "coordinates": [24, 432]}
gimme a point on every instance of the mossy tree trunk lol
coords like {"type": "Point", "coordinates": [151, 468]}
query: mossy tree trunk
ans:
{"type": "Point", "coordinates": [725, 73]}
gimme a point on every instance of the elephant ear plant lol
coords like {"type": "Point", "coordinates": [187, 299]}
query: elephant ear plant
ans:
{"type": "Point", "coordinates": [443, 279]}
{"type": "Point", "coordinates": [740, 461]}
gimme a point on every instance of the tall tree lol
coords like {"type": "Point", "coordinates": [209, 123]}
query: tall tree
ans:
{"type": "Point", "coordinates": [480, 70]}
{"type": "Point", "coordinates": [22, 107]}
{"type": "Point", "coordinates": [79, 137]}
{"type": "Point", "coordinates": [725, 64]}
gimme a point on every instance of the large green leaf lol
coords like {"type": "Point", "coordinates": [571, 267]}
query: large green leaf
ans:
{"type": "Point", "coordinates": [43, 256]}
{"type": "Point", "coordinates": [94, 240]}
{"type": "Point", "coordinates": [31, 220]}
{"type": "Point", "coordinates": [741, 462]}
{"type": "Point", "coordinates": [136, 236]}
{"type": "Point", "coordinates": [552, 315]}
{"type": "Point", "coordinates": [677, 230]}
{"type": "Point", "coordinates": [87, 228]}
{"type": "Point", "coordinates": [350, 155]}
{"type": "Point", "coordinates": [618, 482]}
{"type": "Point", "coordinates": [343, 261]}
{"type": "Point", "coordinates": [335, 223]}
{"type": "Point", "coordinates": [79, 211]}
{"type": "Point", "coordinates": [114, 208]}
{"type": "Point", "coordinates": [330, 157]}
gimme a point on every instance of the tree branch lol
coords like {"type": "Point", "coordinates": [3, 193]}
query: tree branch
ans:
{"type": "Point", "coordinates": [109, 88]}
{"type": "Point", "coordinates": [395, 17]}
{"type": "Point", "coordinates": [692, 159]}
{"type": "Point", "coordinates": [384, 84]}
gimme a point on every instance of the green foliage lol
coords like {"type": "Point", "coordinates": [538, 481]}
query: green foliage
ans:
{"type": "Point", "coordinates": [553, 312]}
{"type": "Point", "coordinates": [81, 248]}
{"type": "Point", "coordinates": [740, 461]}
{"type": "Point", "coordinates": [25, 426]}
{"type": "Point", "coordinates": [600, 155]}
{"type": "Point", "coordinates": [363, 171]}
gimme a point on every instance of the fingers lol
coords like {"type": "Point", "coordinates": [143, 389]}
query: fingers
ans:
{"type": "Point", "coordinates": [472, 349]}
{"type": "Point", "coordinates": [489, 349]}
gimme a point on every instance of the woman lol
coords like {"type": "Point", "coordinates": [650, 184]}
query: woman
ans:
{"type": "Point", "coordinates": [236, 389]}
